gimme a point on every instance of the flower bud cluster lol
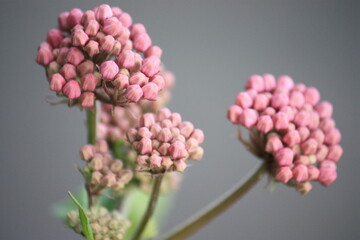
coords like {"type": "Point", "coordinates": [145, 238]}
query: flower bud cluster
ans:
{"type": "Point", "coordinates": [288, 122]}
{"type": "Point", "coordinates": [101, 54]}
{"type": "Point", "coordinates": [102, 171]}
{"type": "Point", "coordinates": [105, 225]}
{"type": "Point", "coordinates": [164, 143]}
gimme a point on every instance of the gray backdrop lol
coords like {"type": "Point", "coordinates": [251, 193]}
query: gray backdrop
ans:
{"type": "Point", "coordinates": [212, 47]}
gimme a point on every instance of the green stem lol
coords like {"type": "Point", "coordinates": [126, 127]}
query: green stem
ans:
{"type": "Point", "coordinates": [151, 206]}
{"type": "Point", "coordinates": [216, 208]}
{"type": "Point", "coordinates": [91, 125]}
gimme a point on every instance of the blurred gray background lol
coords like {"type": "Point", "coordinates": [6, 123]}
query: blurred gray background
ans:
{"type": "Point", "coordinates": [212, 47]}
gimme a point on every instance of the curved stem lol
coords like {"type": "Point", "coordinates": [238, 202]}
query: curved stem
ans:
{"type": "Point", "coordinates": [216, 208]}
{"type": "Point", "coordinates": [151, 206]}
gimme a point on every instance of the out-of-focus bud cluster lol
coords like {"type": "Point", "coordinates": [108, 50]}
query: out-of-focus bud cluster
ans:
{"type": "Point", "coordinates": [290, 129]}
{"type": "Point", "coordinates": [170, 182]}
{"type": "Point", "coordinates": [104, 224]}
{"type": "Point", "coordinates": [102, 171]}
{"type": "Point", "coordinates": [101, 54]}
{"type": "Point", "coordinates": [164, 143]}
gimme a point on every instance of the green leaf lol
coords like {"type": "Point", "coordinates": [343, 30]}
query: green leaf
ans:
{"type": "Point", "coordinates": [84, 219]}
{"type": "Point", "coordinates": [61, 209]}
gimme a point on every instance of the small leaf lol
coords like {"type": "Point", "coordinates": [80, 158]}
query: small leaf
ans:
{"type": "Point", "coordinates": [84, 219]}
{"type": "Point", "coordinates": [61, 209]}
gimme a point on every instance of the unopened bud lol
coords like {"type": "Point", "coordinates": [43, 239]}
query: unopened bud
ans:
{"type": "Point", "coordinates": [177, 150]}
{"type": "Point", "coordinates": [109, 69]}
{"type": "Point", "coordinates": [87, 152]}
{"type": "Point", "coordinates": [72, 89]}
{"type": "Point", "coordinates": [283, 174]}
{"type": "Point", "coordinates": [134, 93]}
{"type": "Point", "coordinates": [284, 157]}
{"type": "Point", "coordinates": [57, 82]}
{"type": "Point", "coordinates": [180, 165]}
{"type": "Point", "coordinates": [300, 173]}
{"type": "Point", "coordinates": [142, 42]}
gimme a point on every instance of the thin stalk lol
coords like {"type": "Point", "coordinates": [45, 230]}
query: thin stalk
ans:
{"type": "Point", "coordinates": [217, 207]}
{"type": "Point", "coordinates": [151, 206]}
{"type": "Point", "coordinates": [91, 139]}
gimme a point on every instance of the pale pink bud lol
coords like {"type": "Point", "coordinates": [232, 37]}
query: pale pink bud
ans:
{"type": "Point", "coordinates": [116, 11]}
{"type": "Point", "coordinates": [159, 81]}
{"type": "Point", "coordinates": [151, 66]}
{"type": "Point", "coordinates": [327, 176]}
{"type": "Point", "coordinates": [273, 144]}
{"type": "Point", "coordinates": [261, 102]}
{"type": "Point", "coordinates": [248, 117]}
{"type": "Point", "coordinates": [279, 100]}
{"type": "Point", "coordinates": [124, 39]}
{"type": "Point", "coordinates": [322, 153]}
{"type": "Point", "coordinates": [54, 37]}
{"type": "Point", "coordinates": [138, 78]}
{"type": "Point", "coordinates": [304, 188]}
{"type": "Point", "coordinates": [302, 118]}
{"type": "Point", "coordinates": [191, 144]}
{"type": "Point", "coordinates": [304, 133]}
{"type": "Point", "coordinates": [116, 49]}
{"type": "Point", "coordinates": [283, 174]}
{"type": "Point", "coordinates": [87, 99]}
{"type": "Point", "coordinates": [72, 89]}
{"type": "Point", "coordinates": [328, 164]}
{"type": "Point", "coordinates": [269, 82]}
{"type": "Point", "coordinates": [92, 48]}
{"type": "Point", "coordinates": [244, 100]}
{"type": "Point", "coordinates": [44, 56]}
{"type": "Point", "coordinates": [252, 93]}
{"type": "Point", "coordinates": [144, 146]}
{"type": "Point", "coordinates": [142, 160]}
{"type": "Point", "coordinates": [155, 161]}
{"type": "Point", "coordinates": [108, 70]}
{"type": "Point", "coordinates": [75, 56]}
{"type": "Point", "coordinates": [312, 96]}
{"type": "Point", "coordinates": [285, 82]}
{"type": "Point", "coordinates": [151, 91]}
{"type": "Point", "coordinates": [126, 59]}
{"type": "Point", "coordinates": [327, 124]}
{"type": "Point", "coordinates": [53, 68]}
{"type": "Point", "coordinates": [107, 43]}
{"type": "Point", "coordinates": [142, 42]}
{"type": "Point", "coordinates": [74, 17]}
{"type": "Point", "coordinates": [197, 154]}
{"type": "Point", "coordinates": [57, 82]}
{"type": "Point", "coordinates": [153, 51]}
{"type": "Point", "coordinates": [68, 71]}
{"type": "Point", "coordinates": [335, 153]}
{"type": "Point", "coordinates": [179, 138]}
{"type": "Point", "coordinates": [116, 166]}
{"type": "Point", "coordinates": [300, 173]}
{"type": "Point", "coordinates": [102, 146]}
{"type": "Point", "coordinates": [265, 124]}
{"type": "Point", "coordinates": [281, 121]}
{"type": "Point", "coordinates": [155, 129]}
{"type": "Point", "coordinates": [121, 81]}
{"type": "Point", "coordinates": [85, 67]}
{"type": "Point", "coordinates": [289, 111]}
{"type": "Point", "coordinates": [103, 12]}
{"type": "Point", "coordinates": [87, 152]}
{"type": "Point", "coordinates": [144, 132]}
{"type": "Point", "coordinates": [180, 165]}
{"type": "Point", "coordinates": [166, 162]}
{"type": "Point", "coordinates": [92, 28]}
{"type": "Point", "coordinates": [125, 19]}
{"type": "Point", "coordinates": [302, 159]}
{"type": "Point", "coordinates": [131, 135]}
{"type": "Point", "coordinates": [164, 113]}
{"type": "Point", "coordinates": [309, 146]}
{"type": "Point", "coordinates": [255, 82]}
{"type": "Point", "coordinates": [137, 28]}
{"type": "Point", "coordinates": [96, 163]}
{"type": "Point", "coordinates": [112, 26]}
{"type": "Point", "coordinates": [314, 172]}
{"type": "Point", "coordinates": [333, 136]}
{"type": "Point", "coordinates": [96, 177]}
{"type": "Point", "coordinates": [299, 87]}
{"type": "Point", "coordinates": [318, 135]}
{"type": "Point", "coordinates": [79, 38]}
{"type": "Point", "coordinates": [234, 113]}
{"type": "Point", "coordinates": [155, 145]}
{"type": "Point", "coordinates": [284, 157]}
{"type": "Point", "coordinates": [87, 16]}
{"type": "Point", "coordinates": [292, 138]}
{"type": "Point", "coordinates": [163, 149]}
{"type": "Point", "coordinates": [134, 93]}
{"type": "Point", "coordinates": [186, 128]}
{"type": "Point", "coordinates": [296, 99]}
{"type": "Point", "coordinates": [175, 118]}
{"type": "Point", "coordinates": [66, 42]}
{"type": "Point", "coordinates": [164, 135]}
{"type": "Point", "coordinates": [324, 109]}
{"type": "Point", "coordinates": [89, 82]}
{"type": "Point", "coordinates": [314, 120]}
{"type": "Point", "coordinates": [269, 111]}
{"type": "Point", "coordinates": [109, 179]}
{"type": "Point", "coordinates": [62, 21]}
{"type": "Point", "coordinates": [198, 135]}
{"type": "Point", "coordinates": [147, 120]}
{"type": "Point", "coordinates": [177, 150]}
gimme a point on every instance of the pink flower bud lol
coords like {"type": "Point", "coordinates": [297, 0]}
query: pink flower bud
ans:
{"type": "Point", "coordinates": [269, 82]}
{"type": "Point", "coordinates": [186, 128]}
{"type": "Point", "coordinates": [281, 121]}
{"type": "Point", "coordinates": [289, 111]}
{"type": "Point", "coordinates": [131, 135]}
{"type": "Point", "coordinates": [144, 132]}
{"type": "Point", "coordinates": [68, 71]}
{"type": "Point", "coordinates": [327, 124]}
{"type": "Point", "coordinates": [166, 162]}
{"type": "Point", "coordinates": [265, 124]}
{"type": "Point", "coordinates": [44, 56]}
{"type": "Point", "coordinates": [92, 28]}
{"type": "Point", "coordinates": [285, 82]}
{"type": "Point", "coordinates": [62, 21]}
{"type": "Point", "coordinates": [335, 153]}
{"type": "Point", "coordinates": [79, 38]}
{"type": "Point", "coordinates": [121, 81]}
{"type": "Point", "coordinates": [314, 172]}
{"type": "Point", "coordinates": [197, 154]}
{"type": "Point", "coordinates": [150, 91]}
{"type": "Point", "coordinates": [163, 114]}
{"type": "Point", "coordinates": [108, 70]}
{"type": "Point", "coordinates": [54, 38]}
{"type": "Point", "coordinates": [147, 120]}
{"type": "Point", "coordinates": [107, 43]}
{"type": "Point", "coordinates": [312, 96]}
{"type": "Point", "coordinates": [283, 174]}
{"type": "Point", "coordinates": [126, 59]}
{"type": "Point", "coordinates": [92, 48]}
{"type": "Point", "coordinates": [155, 161]}
{"type": "Point", "coordinates": [198, 135]}
{"type": "Point", "coordinates": [72, 89]}
{"type": "Point", "coordinates": [318, 135]}
{"type": "Point", "coordinates": [324, 109]}
{"type": "Point", "coordinates": [304, 133]}
{"type": "Point", "coordinates": [273, 144]}
{"type": "Point", "coordinates": [137, 28]}
{"type": "Point", "coordinates": [53, 68]}
{"type": "Point", "coordinates": [279, 100]}
{"type": "Point", "coordinates": [96, 163]}
{"type": "Point", "coordinates": [142, 42]}
{"type": "Point", "coordinates": [248, 117]}
{"type": "Point", "coordinates": [302, 118]}
{"type": "Point", "coordinates": [299, 87]}
{"type": "Point", "coordinates": [314, 120]}
{"type": "Point", "coordinates": [328, 164]}
{"type": "Point", "coordinates": [134, 93]}
{"type": "Point", "coordinates": [74, 17]}
{"type": "Point", "coordinates": [124, 39]}
{"type": "Point", "coordinates": [112, 26]}
{"type": "Point", "coordinates": [255, 82]}
{"type": "Point", "coordinates": [296, 99]}
{"type": "Point", "coordinates": [164, 135]}
{"type": "Point", "coordinates": [179, 138]}
{"type": "Point", "coordinates": [309, 146]}
{"type": "Point", "coordinates": [261, 102]}
{"type": "Point", "coordinates": [142, 161]}
{"type": "Point", "coordinates": [191, 145]}
{"type": "Point", "coordinates": [57, 82]}
{"type": "Point", "coordinates": [269, 111]}
{"type": "Point", "coordinates": [151, 66]}
{"type": "Point", "coordinates": [144, 146]}
{"type": "Point", "coordinates": [234, 113]}
{"type": "Point", "coordinates": [159, 81]}
{"type": "Point", "coordinates": [155, 129]}
{"type": "Point", "coordinates": [292, 138]}
{"type": "Point", "coordinates": [116, 166]}
{"type": "Point", "coordinates": [322, 153]}
{"type": "Point", "coordinates": [87, 152]}
{"type": "Point", "coordinates": [116, 49]}
{"type": "Point", "coordinates": [304, 188]}
{"type": "Point", "coordinates": [177, 150]}
{"type": "Point", "coordinates": [333, 136]}
{"type": "Point", "coordinates": [302, 159]}
{"type": "Point", "coordinates": [163, 149]}
{"type": "Point", "coordinates": [284, 157]}
{"type": "Point", "coordinates": [87, 99]}
{"type": "Point", "coordinates": [116, 11]}
{"type": "Point", "coordinates": [103, 12]}
{"type": "Point", "coordinates": [327, 176]}
{"type": "Point", "coordinates": [244, 100]}
{"type": "Point", "coordinates": [86, 17]}
{"type": "Point", "coordinates": [125, 19]}
{"type": "Point", "coordinates": [138, 78]}
{"type": "Point", "coordinates": [75, 56]}
{"type": "Point", "coordinates": [153, 51]}
{"type": "Point", "coordinates": [180, 165]}
{"type": "Point", "coordinates": [109, 179]}
{"type": "Point", "coordinates": [85, 67]}
{"type": "Point", "coordinates": [300, 173]}
{"type": "Point", "coordinates": [89, 82]}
